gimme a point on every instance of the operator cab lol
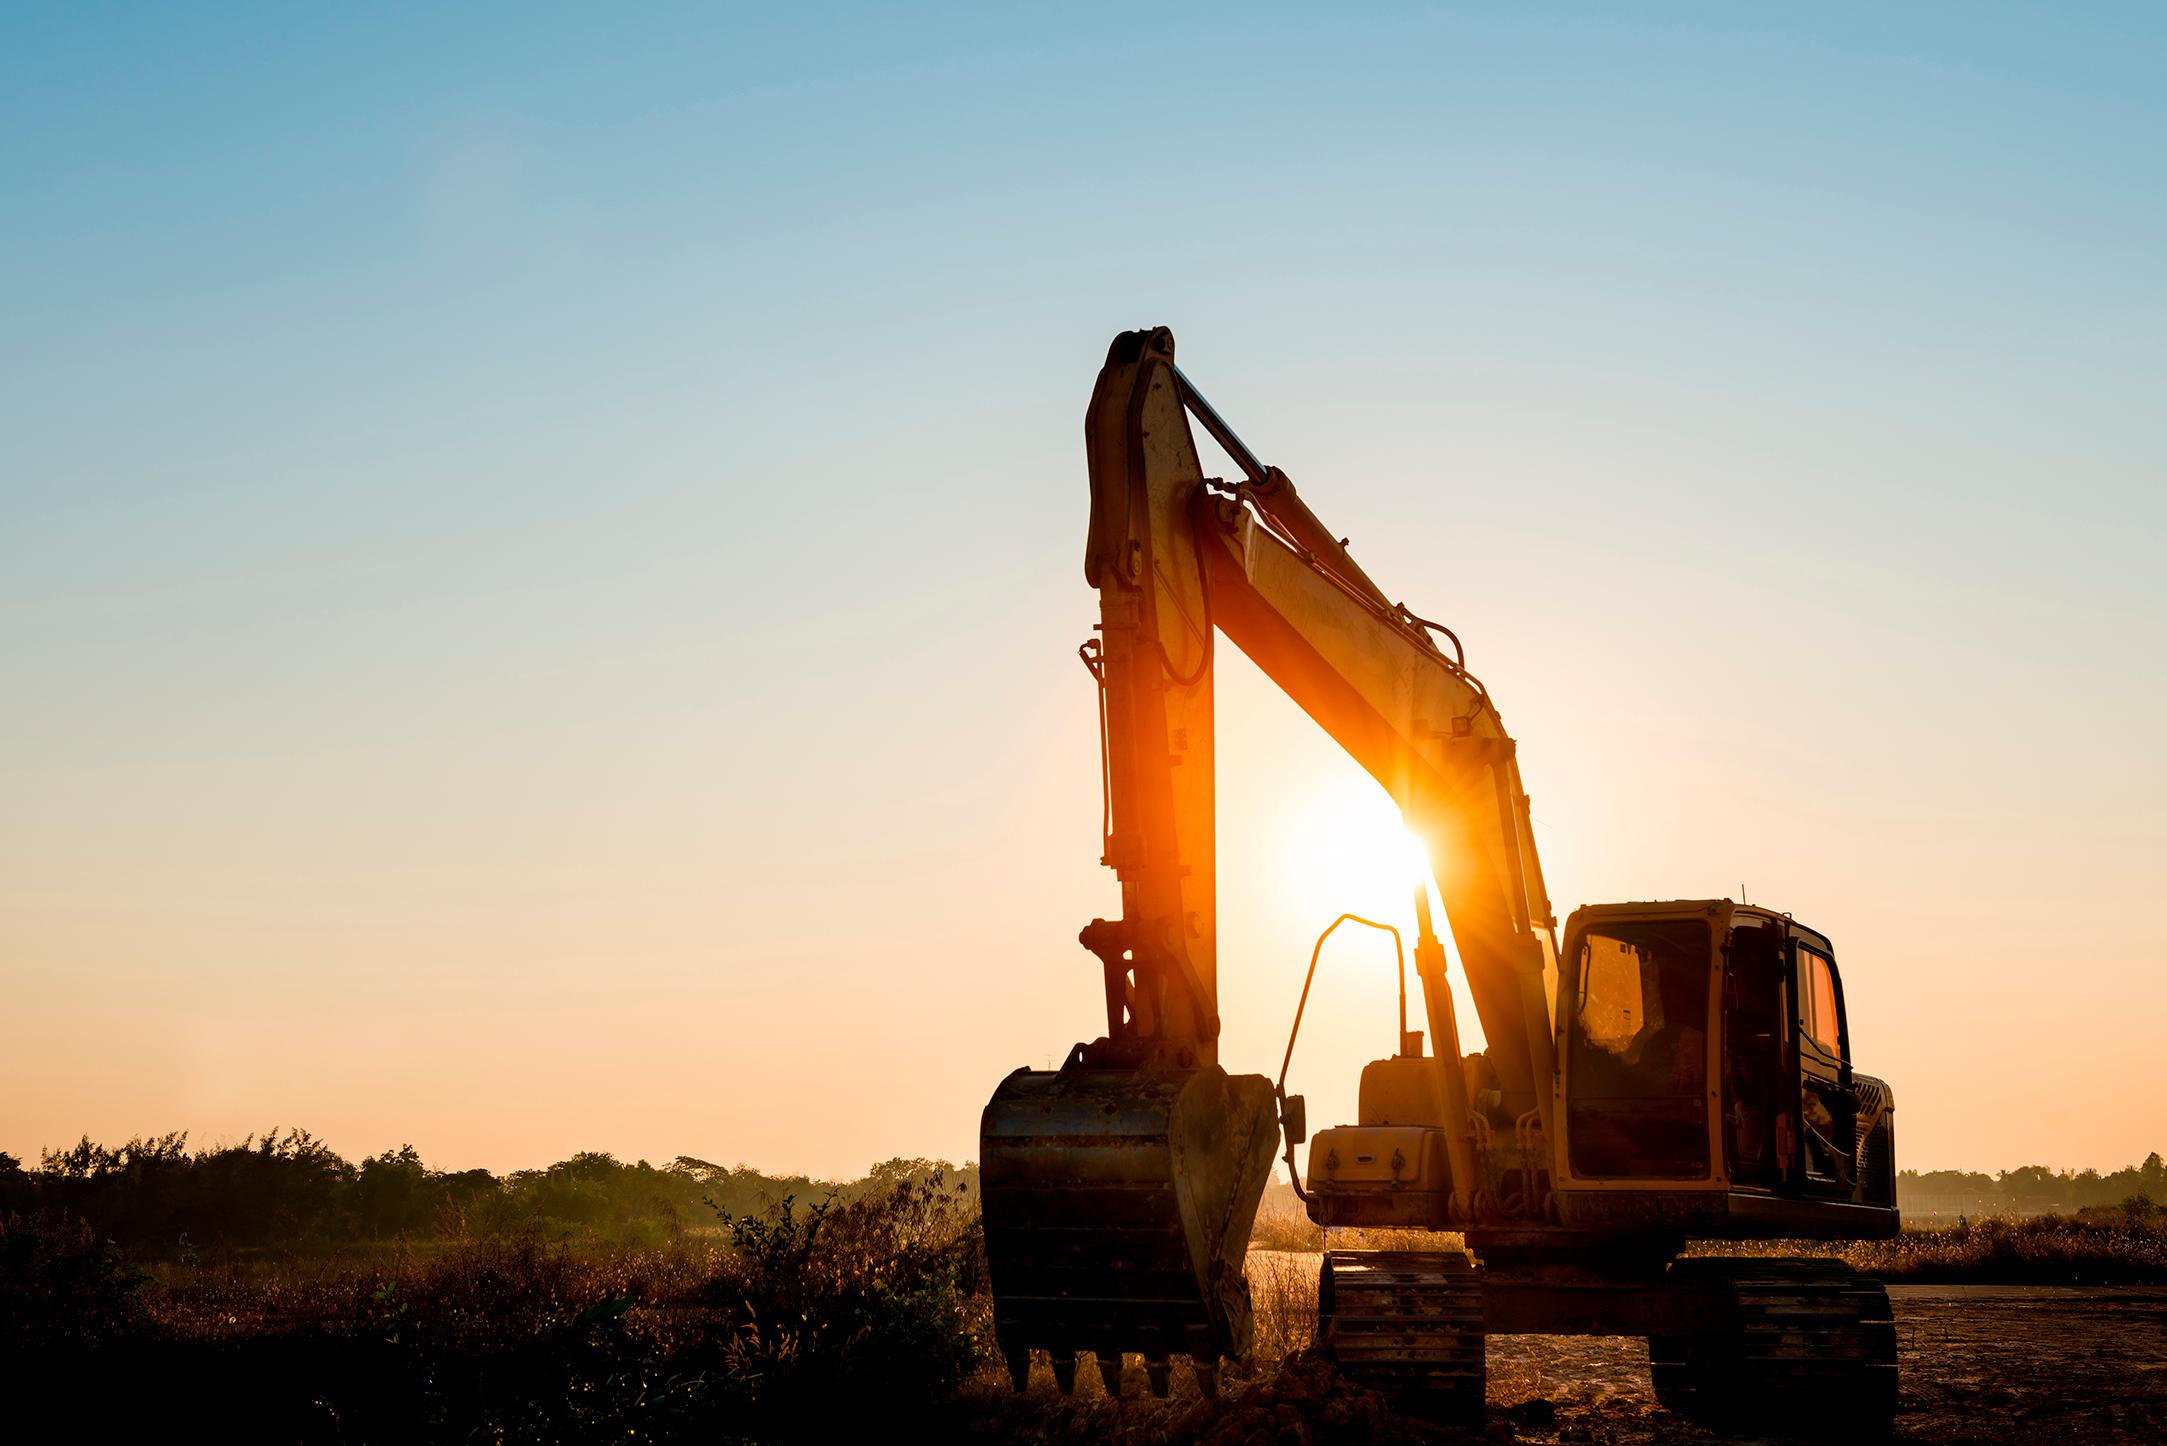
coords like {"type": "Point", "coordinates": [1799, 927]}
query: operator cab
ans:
{"type": "Point", "coordinates": [1705, 1056]}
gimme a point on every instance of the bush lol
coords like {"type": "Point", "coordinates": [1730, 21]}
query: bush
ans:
{"type": "Point", "coordinates": [61, 1286]}
{"type": "Point", "coordinates": [850, 1308]}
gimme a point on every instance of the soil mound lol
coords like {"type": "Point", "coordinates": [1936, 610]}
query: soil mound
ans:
{"type": "Point", "coordinates": [1305, 1402]}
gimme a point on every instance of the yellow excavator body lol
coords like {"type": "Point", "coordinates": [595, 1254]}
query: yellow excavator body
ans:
{"type": "Point", "coordinates": [1676, 1070]}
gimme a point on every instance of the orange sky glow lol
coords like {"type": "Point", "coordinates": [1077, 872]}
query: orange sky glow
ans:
{"type": "Point", "coordinates": [539, 582]}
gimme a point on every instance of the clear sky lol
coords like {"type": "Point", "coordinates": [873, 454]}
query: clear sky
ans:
{"type": "Point", "coordinates": [541, 552]}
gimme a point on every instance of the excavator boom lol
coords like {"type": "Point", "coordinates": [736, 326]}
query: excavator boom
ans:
{"type": "Point", "coordinates": [1179, 558]}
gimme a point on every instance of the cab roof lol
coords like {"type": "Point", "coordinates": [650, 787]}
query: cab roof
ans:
{"type": "Point", "coordinates": [1688, 908]}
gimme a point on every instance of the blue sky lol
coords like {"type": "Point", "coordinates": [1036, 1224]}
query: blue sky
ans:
{"type": "Point", "coordinates": [541, 548]}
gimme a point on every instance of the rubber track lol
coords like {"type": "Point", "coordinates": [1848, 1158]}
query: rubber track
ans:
{"type": "Point", "coordinates": [1407, 1323]}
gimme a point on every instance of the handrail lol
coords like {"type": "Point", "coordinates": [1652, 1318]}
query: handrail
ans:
{"type": "Point", "coordinates": [1280, 1089]}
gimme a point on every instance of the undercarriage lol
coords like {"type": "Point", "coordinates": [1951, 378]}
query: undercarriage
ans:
{"type": "Point", "coordinates": [1807, 1344]}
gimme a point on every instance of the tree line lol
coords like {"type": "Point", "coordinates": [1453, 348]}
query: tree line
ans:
{"type": "Point", "coordinates": [287, 1189]}
{"type": "Point", "coordinates": [2028, 1190]}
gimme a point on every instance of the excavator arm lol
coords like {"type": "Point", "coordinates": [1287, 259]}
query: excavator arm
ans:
{"type": "Point", "coordinates": [1178, 558]}
{"type": "Point", "coordinates": [1119, 1191]}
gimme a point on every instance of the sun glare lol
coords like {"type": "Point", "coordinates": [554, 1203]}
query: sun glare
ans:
{"type": "Point", "coordinates": [1351, 852]}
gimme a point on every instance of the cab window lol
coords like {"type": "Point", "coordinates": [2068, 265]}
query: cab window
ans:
{"type": "Point", "coordinates": [1637, 1050]}
{"type": "Point", "coordinates": [1612, 1007]}
{"type": "Point", "coordinates": [1817, 1002]}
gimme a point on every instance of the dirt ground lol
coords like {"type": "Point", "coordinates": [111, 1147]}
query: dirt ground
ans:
{"type": "Point", "coordinates": [1980, 1363]}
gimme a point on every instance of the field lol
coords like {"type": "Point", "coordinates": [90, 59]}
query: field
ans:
{"type": "Point", "coordinates": [803, 1324]}
{"type": "Point", "coordinates": [1980, 1362]}
{"type": "Point", "coordinates": [2101, 1245]}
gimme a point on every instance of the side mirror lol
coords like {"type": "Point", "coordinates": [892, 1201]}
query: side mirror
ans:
{"type": "Point", "coordinates": [1294, 1119]}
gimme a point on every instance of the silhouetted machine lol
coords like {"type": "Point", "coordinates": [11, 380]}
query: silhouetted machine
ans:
{"type": "Point", "coordinates": [1676, 1071]}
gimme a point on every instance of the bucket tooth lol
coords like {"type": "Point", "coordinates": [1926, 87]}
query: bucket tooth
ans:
{"type": "Point", "coordinates": [1019, 1367]}
{"type": "Point", "coordinates": [1159, 1371]}
{"type": "Point", "coordinates": [1064, 1372]}
{"type": "Point", "coordinates": [1110, 1373]}
{"type": "Point", "coordinates": [1207, 1376]}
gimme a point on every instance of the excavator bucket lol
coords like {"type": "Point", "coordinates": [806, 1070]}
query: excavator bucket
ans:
{"type": "Point", "coordinates": [1118, 1205]}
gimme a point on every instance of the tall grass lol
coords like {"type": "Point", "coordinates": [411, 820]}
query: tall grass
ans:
{"type": "Point", "coordinates": [1287, 1227]}
{"type": "Point", "coordinates": [799, 1323]}
{"type": "Point", "coordinates": [2122, 1244]}
{"type": "Point", "coordinates": [805, 1320]}
{"type": "Point", "coordinates": [1283, 1299]}
{"type": "Point", "coordinates": [2104, 1245]}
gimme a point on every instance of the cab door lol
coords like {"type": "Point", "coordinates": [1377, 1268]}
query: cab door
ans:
{"type": "Point", "coordinates": [1760, 1099]}
{"type": "Point", "coordinates": [1828, 1106]}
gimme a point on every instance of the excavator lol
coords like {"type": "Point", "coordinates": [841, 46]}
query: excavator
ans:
{"type": "Point", "coordinates": [1666, 1074]}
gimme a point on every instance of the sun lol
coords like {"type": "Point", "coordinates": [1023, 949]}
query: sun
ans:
{"type": "Point", "coordinates": [1349, 852]}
